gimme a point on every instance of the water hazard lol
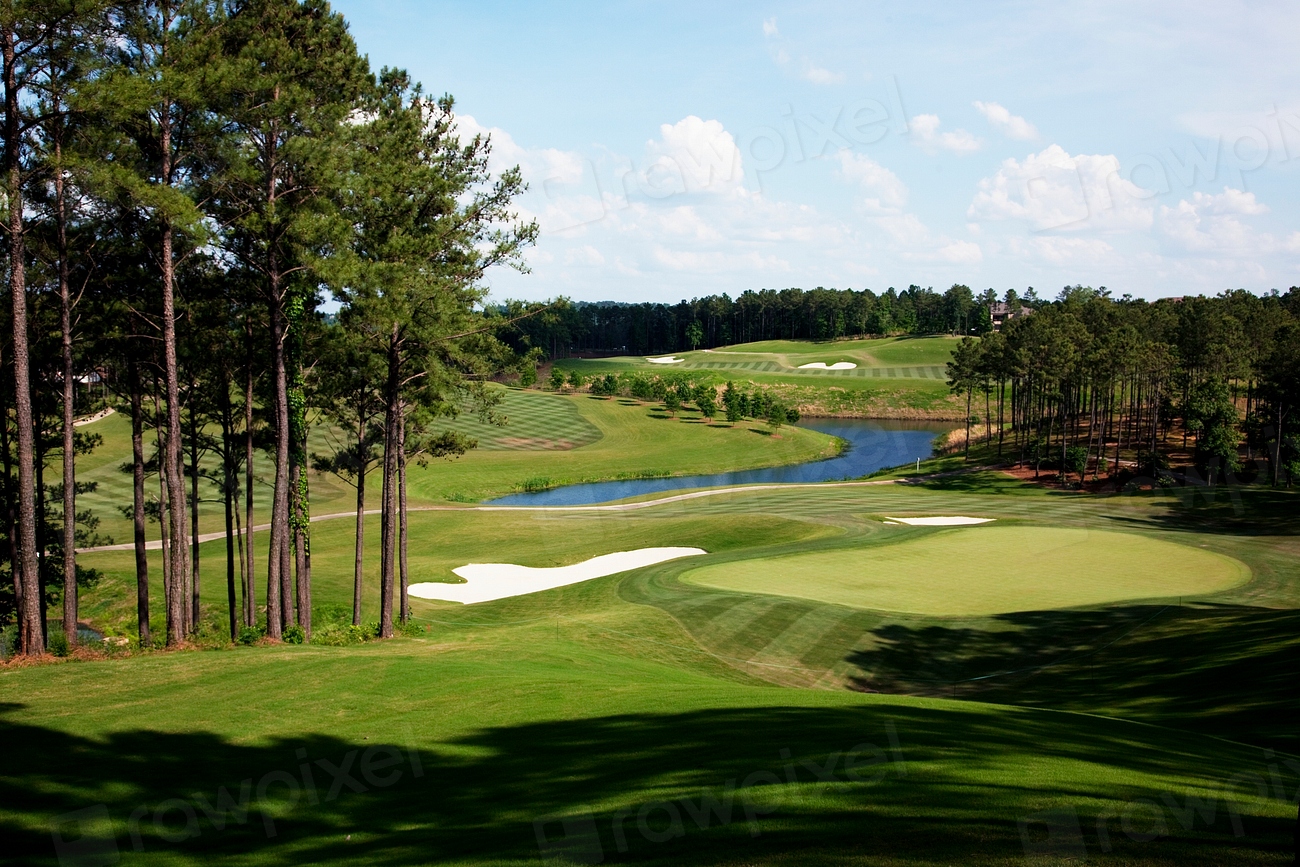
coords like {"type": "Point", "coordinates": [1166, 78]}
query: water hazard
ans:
{"type": "Point", "coordinates": [872, 445]}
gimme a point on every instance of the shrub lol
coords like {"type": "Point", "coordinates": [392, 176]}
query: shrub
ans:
{"type": "Point", "coordinates": [58, 644]}
{"type": "Point", "coordinates": [409, 629]}
{"type": "Point", "coordinates": [528, 375]}
{"type": "Point", "coordinates": [339, 635]}
{"type": "Point", "coordinates": [294, 635]}
{"type": "Point", "coordinates": [557, 379]}
{"type": "Point", "coordinates": [249, 635]}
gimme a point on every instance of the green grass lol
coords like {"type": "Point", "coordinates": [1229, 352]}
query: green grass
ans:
{"type": "Point", "coordinates": [560, 438]}
{"type": "Point", "coordinates": [615, 702]}
{"type": "Point", "coordinates": [984, 570]}
{"type": "Point", "coordinates": [576, 704]}
{"type": "Point", "coordinates": [896, 377]}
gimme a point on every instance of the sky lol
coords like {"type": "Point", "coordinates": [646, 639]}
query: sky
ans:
{"type": "Point", "coordinates": [680, 149]}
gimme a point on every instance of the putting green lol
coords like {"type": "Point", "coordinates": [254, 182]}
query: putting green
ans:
{"type": "Point", "coordinates": [978, 571]}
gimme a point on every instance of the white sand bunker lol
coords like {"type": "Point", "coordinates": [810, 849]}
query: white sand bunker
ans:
{"type": "Point", "coordinates": [821, 365]}
{"type": "Point", "coordinates": [667, 359]}
{"type": "Point", "coordinates": [488, 581]}
{"type": "Point", "coordinates": [939, 521]}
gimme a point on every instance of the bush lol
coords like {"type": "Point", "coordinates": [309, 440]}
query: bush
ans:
{"type": "Point", "coordinates": [58, 644]}
{"type": "Point", "coordinates": [409, 629]}
{"type": "Point", "coordinates": [557, 379]}
{"type": "Point", "coordinates": [339, 635]}
{"type": "Point", "coordinates": [528, 375]}
{"type": "Point", "coordinates": [294, 635]}
{"type": "Point", "coordinates": [249, 635]}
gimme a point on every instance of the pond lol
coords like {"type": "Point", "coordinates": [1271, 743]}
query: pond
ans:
{"type": "Point", "coordinates": [872, 445]}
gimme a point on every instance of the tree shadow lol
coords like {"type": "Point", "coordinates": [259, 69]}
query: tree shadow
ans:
{"type": "Point", "coordinates": [898, 784]}
{"type": "Point", "coordinates": [1223, 670]}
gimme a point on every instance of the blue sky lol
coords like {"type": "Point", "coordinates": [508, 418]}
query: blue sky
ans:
{"type": "Point", "coordinates": [681, 149]}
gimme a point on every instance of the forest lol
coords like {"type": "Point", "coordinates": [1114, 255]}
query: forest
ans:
{"type": "Point", "coordinates": [185, 181]}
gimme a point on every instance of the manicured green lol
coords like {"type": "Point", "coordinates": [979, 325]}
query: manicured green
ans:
{"type": "Point", "coordinates": [983, 570]}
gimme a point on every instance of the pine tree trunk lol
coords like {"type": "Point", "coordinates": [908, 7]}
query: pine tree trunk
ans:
{"type": "Point", "coordinates": [250, 579]}
{"type": "Point", "coordinates": [30, 638]}
{"type": "Point", "coordinates": [137, 507]}
{"type": "Point", "coordinates": [358, 561]}
{"type": "Point", "coordinates": [276, 597]}
{"type": "Point", "coordinates": [194, 516]}
{"type": "Point", "coordinates": [163, 511]}
{"type": "Point", "coordinates": [401, 512]}
{"type": "Point", "coordinates": [389, 509]}
{"type": "Point", "coordinates": [69, 399]}
{"type": "Point", "coordinates": [229, 484]}
{"type": "Point", "coordinates": [177, 618]}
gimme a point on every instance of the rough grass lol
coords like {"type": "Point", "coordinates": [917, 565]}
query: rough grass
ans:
{"type": "Point", "coordinates": [985, 570]}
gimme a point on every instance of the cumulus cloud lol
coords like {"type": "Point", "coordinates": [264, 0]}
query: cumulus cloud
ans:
{"type": "Point", "coordinates": [885, 192]}
{"type": "Point", "coordinates": [1210, 222]}
{"type": "Point", "coordinates": [692, 155]}
{"type": "Point", "coordinates": [925, 135]}
{"type": "Point", "coordinates": [769, 27]}
{"type": "Point", "coordinates": [1002, 120]}
{"type": "Point", "coordinates": [1054, 190]}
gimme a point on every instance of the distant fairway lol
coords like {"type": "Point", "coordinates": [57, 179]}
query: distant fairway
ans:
{"type": "Point", "coordinates": [534, 422]}
{"type": "Point", "coordinates": [981, 571]}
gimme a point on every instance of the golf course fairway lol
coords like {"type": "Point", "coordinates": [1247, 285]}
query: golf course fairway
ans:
{"type": "Point", "coordinates": [979, 571]}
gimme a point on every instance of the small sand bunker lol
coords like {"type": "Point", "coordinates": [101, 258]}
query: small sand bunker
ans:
{"type": "Point", "coordinates": [667, 359]}
{"type": "Point", "coordinates": [821, 365]}
{"type": "Point", "coordinates": [488, 581]}
{"type": "Point", "coordinates": [940, 521]}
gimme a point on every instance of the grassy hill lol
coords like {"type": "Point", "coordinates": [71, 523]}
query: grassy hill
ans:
{"type": "Point", "coordinates": [895, 377]}
{"type": "Point", "coordinates": [548, 439]}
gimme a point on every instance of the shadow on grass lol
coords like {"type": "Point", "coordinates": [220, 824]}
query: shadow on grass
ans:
{"type": "Point", "coordinates": [1226, 671]}
{"type": "Point", "coordinates": [898, 785]}
{"type": "Point", "coordinates": [1223, 509]}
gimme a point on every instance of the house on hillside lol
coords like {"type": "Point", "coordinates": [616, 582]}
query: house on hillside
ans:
{"type": "Point", "coordinates": [1001, 311]}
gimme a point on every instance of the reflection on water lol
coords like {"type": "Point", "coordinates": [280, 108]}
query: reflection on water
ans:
{"type": "Point", "coordinates": [872, 445]}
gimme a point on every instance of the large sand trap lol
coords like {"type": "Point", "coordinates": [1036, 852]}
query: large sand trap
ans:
{"type": "Point", "coordinates": [941, 521]}
{"type": "Point", "coordinates": [821, 365]}
{"type": "Point", "coordinates": [488, 581]}
{"type": "Point", "coordinates": [667, 359]}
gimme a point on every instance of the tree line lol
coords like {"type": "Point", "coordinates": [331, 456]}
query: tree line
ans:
{"type": "Point", "coordinates": [185, 181]}
{"type": "Point", "coordinates": [1091, 383]}
{"type": "Point", "coordinates": [569, 327]}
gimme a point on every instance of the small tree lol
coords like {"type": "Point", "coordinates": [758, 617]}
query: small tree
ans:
{"type": "Point", "coordinates": [672, 401]}
{"type": "Point", "coordinates": [731, 402]}
{"type": "Point", "coordinates": [528, 375]}
{"type": "Point", "coordinates": [776, 415]}
{"type": "Point", "coordinates": [694, 334]}
{"type": "Point", "coordinates": [576, 381]}
{"type": "Point", "coordinates": [704, 399]}
{"type": "Point", "coordinates": [1076, 461]}
{"type": "Point", "coordinates": [557, 379]}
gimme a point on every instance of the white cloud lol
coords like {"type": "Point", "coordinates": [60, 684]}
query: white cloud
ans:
{"type": "Point", "coordinates": [961, 253]}
{"type": "Point", "coordinates": [885, 192]}
{"type": "Point", "coordinates": [1209, 223]}
{"type": "Point", "coordinates": [817, 75]}
{"type": "Point", "coordinates": [1005, 122]}
{"type": "Point", "coordinates": [1061, 250]}
{"type": "Point", "coordinates": [925, 135]}
{"type": "Point", "coordinates": [769, 27]}
{"type": "Point", "coordinates": [1054, 190]}
{"type": "Point", "coordinates": [693, 155]}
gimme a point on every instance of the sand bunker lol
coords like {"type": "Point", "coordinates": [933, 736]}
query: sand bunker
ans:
{"type": "Point", "coordinates": [667, 359]}
{"type": "Point", "coordinates": [488, 581]}
{"type": "Point", "coordinates": [821, 365]}
{"type": "Point", "coordinates": [940, 521]}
